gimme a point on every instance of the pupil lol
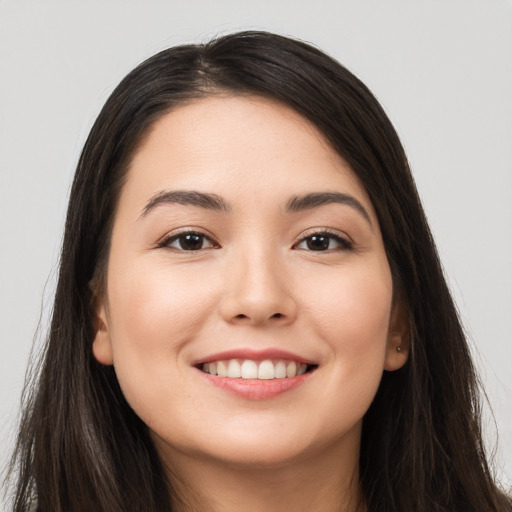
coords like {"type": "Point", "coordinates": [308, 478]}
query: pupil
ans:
{"type": "Point", "coordinates": [191, 242]}
{"type": "Point", "coordinates": [318, 243]}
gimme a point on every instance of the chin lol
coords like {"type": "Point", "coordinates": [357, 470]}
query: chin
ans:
{"type": "Point", "coordinates": [263, 456]}
{"type": "Point", "coordinates": [272, 447]}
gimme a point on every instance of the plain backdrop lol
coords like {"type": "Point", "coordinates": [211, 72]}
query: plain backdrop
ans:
{"type": "Point", "coordinates": [442, 70]}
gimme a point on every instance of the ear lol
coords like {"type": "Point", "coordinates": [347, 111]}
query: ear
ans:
{"type": "Point", "coordinates": [398, 345]}
{"type": "Point", "coordinates": [102, 346]}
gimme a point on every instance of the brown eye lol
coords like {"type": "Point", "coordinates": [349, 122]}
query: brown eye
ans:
{"type": "Point", "coordinates": [318, 243]}
{"type": "Point", "coordinates": [189, 242]}
{"type": "Point", "coordinates": [324, 242]}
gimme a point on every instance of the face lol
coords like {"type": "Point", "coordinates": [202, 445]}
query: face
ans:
{"type": "Point", "coordinates": [248, 309]}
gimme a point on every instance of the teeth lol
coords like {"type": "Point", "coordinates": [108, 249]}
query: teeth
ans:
{"type": "Point", "coordinates": [222, 371]}
{"type": "Point", "coordinates": [301, 369]}
{"type": "Point", "coordinates": [249, 369]}
{"type": "Point", "coordinates": [234, 370]}
{"type": "Point", "coordinates": [280, 370]}
{"type": "Point", "coordinates": [291, 369]}
{"type": "Point", "coordinates": [266, 370]}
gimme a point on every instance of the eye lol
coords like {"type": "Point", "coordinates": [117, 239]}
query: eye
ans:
{"type": "Point", "coordinates": [322, 242]}
{"type": "Point", "coordinates": [189, 241]}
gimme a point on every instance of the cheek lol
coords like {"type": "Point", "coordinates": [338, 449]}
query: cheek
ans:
{"type": "Point", "coordinates": [157, 299]}
{"type": "Point", "coordinates": [153, 314]}
{"type": "Point", "coordinates": [351, 313]}
{"type": "Point", "coordinates": [353, 321]}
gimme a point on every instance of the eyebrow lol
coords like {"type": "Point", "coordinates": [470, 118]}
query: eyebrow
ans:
{"type": "Point", "coordinates": [316, 199]}
{"type": "Point", "coordinates": [187, 198]}
{"type": "Point", "coordinates": [217, 203]}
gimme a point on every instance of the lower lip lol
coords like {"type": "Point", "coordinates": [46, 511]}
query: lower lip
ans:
{"type": "Point", "coordinates": [256, 389]}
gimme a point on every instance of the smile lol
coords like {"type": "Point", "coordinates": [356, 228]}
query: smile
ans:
{"type": "Point", "coordinates": [251, 369]}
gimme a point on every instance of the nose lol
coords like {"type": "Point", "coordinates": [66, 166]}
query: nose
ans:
{"type": "Point", "coordinates": [258, 292]}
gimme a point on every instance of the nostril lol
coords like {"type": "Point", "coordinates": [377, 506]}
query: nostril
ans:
{"type": "Point", "coordinates": [257, 318]}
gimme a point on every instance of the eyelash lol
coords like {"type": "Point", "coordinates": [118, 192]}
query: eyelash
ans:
{"type": "Point", "coordinates": [168, 241]}
{"type": "Point", "coordinates": [344, 244]}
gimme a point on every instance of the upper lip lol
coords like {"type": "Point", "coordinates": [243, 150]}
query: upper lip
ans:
{"type": "Point", "coordinates": [255, 355]}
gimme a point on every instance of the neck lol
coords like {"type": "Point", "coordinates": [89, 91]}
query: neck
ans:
{"type": "Point", "coordinates": [326, 482]}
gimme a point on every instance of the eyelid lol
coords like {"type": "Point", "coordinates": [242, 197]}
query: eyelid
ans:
{"type": "Point", "coordinates": [176, 233]}
{"type": "Point", "coordinates": [346, 242]}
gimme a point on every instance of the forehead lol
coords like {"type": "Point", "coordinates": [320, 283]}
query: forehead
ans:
{"type": "Point", "coordinates": [222, 144]}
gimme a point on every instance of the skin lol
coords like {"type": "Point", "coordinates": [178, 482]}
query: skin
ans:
{"type": "Point", "coordinates": [257, 285]}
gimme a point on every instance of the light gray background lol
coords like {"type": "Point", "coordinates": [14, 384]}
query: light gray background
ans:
{"type": "Point", "coordinates": [442, 70]}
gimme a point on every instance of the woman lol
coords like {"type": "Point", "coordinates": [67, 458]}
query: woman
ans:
{"type": "Point", "coordinates": [250, 314]}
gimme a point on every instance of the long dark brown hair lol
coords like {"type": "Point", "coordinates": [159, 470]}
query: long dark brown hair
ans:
{"type": "Point", "coordinates": [82, 448]}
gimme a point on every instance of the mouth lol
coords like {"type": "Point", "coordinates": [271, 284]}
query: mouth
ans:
{"type": "Point", "coordinates": [250, 374]}
{"type": "Point", "coordinates": [266, 369]}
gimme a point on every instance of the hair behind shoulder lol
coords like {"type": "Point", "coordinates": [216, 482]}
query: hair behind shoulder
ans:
{"type": "Point", "coordinates": [81, 447]}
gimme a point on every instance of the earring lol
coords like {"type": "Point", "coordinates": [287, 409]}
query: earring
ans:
{"type": "Point", "coordinates": [399, 349]}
